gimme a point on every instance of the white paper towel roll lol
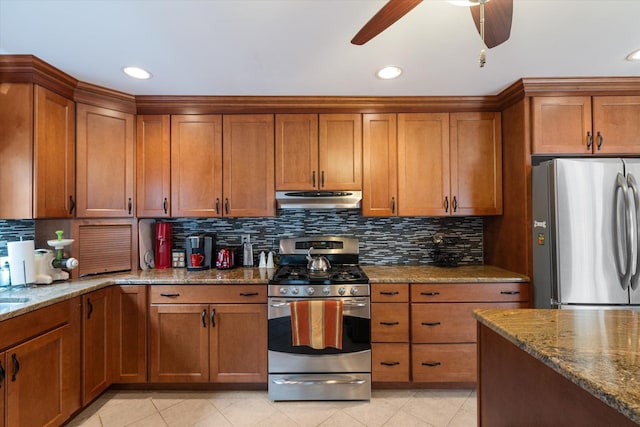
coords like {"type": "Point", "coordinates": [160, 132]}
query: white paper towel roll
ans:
{"type": "Point", "coordinates": [22, 262]}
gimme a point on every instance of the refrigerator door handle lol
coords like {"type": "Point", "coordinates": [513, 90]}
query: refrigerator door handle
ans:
{"type": "Point", "coordinates": [621, 185]}
{"type": "Point", "coordinates": [633, 186]}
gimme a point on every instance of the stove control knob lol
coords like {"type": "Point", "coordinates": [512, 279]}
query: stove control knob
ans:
{"type": "Point", "coordinates": [326, 290]}
{"type": "Point", "coordinates": [294, 291]}
{"type": "Point", "coordinates": [341, 291]}
{"type": "Point", "coordinates": [354, 291]}
{"type": "Point", "coordinates": [283, 291]}
{"type": "Point", "coordinates": [310, 290]}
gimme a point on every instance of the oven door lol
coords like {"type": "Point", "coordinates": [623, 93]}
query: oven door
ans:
{"type": "Point", "coordinates": [355, 355]}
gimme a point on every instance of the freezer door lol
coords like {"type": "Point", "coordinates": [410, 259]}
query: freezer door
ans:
{"type": "Point", "coordinates": [632, 171]}
{"type": "Point", "coordinates": [586, 207]}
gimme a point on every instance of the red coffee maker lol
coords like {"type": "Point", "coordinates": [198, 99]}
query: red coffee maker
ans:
{"type": "Point", "coordinates": [163, 245]}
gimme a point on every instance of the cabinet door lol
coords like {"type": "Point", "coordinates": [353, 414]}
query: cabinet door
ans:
{"type": "Point", "coordinates": [153, 166]}
{"type": "Point", "coordinates": [616, 124]}
{"type": "Point", "coordinates": [3, 386]}
{"type": "Point", "coordinates": [54, 155]}
{"type": "Point", "coordinates": [96, 356]}
{"type": "Point", "coordinates": [390, 362]}
{"type": "Point", "coordinates": [340, 151]}
{"type": "Point", "coordinates": [35, 380]}
{"type": "Point", "coordinates": [380, 165]}
{"type": "Point", "coordinates": [16, 146]}
{"type": "Point", "coordinates": [105, 150]}
{"type": "Point", "coordinates": [296, 152]}
{"type": "Point", "coordinates": [390, 322]}
{"type": "Point", "coordinates": [248, 165]}
{"type": "Point", "coordinates": [129, 338]}
{"type": "Point", "coordinates": [179, 343]}
{"type": "Point", "coordinates": [476, 164]}
{"type": "Point", "coordinates": [443, 363]}
{"type": "Point", "coordinates": [423, 164]}
{"type": "Point", "coordinates": [196, 165]}
{"type": "Point", "coordinates": [239, 343]}
{"type": "Point", "coordinates": [561, 124]}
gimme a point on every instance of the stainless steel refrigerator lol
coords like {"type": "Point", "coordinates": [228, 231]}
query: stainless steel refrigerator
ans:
{"type": "Point", "coordinates": [585, 233]}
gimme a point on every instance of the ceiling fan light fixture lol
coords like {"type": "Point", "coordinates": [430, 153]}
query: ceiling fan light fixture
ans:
{"type": "Point", "coordinates": [388, 73]}
{"type": "Point", "coordinates": [464, 3]}
{"type": "Point", "coordinates": [137, 73]}
{"type": "Point", "coordinates": [634, 56]}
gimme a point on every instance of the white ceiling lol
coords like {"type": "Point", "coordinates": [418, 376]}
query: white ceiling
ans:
{"type": "Point", "coordinates": [302, 47]}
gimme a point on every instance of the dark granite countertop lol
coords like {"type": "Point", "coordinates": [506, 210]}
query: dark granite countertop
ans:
{"type": "Point", "coordinates": [598, 350]}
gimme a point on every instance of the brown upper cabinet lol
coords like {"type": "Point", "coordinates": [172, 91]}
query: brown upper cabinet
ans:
{"type": "Point", "coordinates": [37, 144]}
{"type": "Point", "coordinates": [105, 150]}
{"type": "Point", "coordinates": [586, 124]}
{"type": "Point", "coordinates": [153, 166]}
{"type": "Point", "coordinates": [379, 165]}
{"type": "Point", "coordinates": [318, 152]}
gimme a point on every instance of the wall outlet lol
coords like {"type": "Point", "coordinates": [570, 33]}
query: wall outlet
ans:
{"type": "Point", "coordinates": [245, 238]}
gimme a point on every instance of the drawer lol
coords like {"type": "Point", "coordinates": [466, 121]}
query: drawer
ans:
{"type": "Point", "coordinates": [449, 322]}
{"type": "Point", "coordinates": [470, 292]}
{"type": "Point", "coordinates": [390, 292]}
{"type": "Point", "coordinates": [390, 362]}
{"type": "Point", "coordinates": [389, 322]}
{"type": "Point", "coordinates": [204, 294]}
{"type": "Point", "coordinates": [444, 362]}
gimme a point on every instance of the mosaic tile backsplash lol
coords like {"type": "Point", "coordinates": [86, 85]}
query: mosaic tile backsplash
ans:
{"type": "Point", "coordinates": [387, 240]}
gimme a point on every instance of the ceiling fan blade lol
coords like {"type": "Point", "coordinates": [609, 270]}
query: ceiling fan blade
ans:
{"type": "Point", "coordinates": [497, 21]}
{"type": "Point", "coordinates": [390, 13]}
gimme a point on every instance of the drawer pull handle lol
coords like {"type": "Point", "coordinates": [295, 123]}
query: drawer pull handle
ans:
{"type": "Point", "coordinates": [390, 363]}
{"type": "Point", "coordinates": [431, 364]}
{"type": "Point", "coordinates": [389, 293]}
{"type": "Point", "coordinates": [16, 367]}
{"type": "Point", "coordinates": [248, 294]}
{"type": "Point", "coordinates": [430, 323]}
{"type": "Point", "coordinates": [2, 373]}
{"type": "Point", "coordinates": [389, 323]}
{"type": "Point", "coordinates": [430, 294]}
{"type": "Point", "coordinates": [90, 308]}
{"type": "Point", "coordinates": [509, 292]}
{"type": "Point", "coordinates": [170, 295]}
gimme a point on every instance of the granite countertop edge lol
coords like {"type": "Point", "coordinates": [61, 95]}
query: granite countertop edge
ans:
{"type": "Point", "coordinates": [567, 370]}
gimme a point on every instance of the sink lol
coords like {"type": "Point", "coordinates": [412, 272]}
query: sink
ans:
{"type": "Point", "coordinates": [14, 300]}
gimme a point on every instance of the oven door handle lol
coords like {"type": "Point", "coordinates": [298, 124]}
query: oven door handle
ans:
{"type": "Point", "coordinates": [286, 381]}
{"type": "Point", "coordinates": [346, 304]}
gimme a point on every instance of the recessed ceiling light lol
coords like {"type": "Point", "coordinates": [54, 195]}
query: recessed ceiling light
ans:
{"type": "Point", "coordinates": [137, 72]}
{"type": "Point", "coordinates": [634, 56]}
{"type": "Point", "coordinates": [390, 72]}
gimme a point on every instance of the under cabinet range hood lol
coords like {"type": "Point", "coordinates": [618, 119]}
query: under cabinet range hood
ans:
{"type": "Point", "coordinates": [319, 199]}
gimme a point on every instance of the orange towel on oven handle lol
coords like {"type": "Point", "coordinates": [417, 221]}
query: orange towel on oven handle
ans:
{"type": "Point", "coordinates": [317, 323]}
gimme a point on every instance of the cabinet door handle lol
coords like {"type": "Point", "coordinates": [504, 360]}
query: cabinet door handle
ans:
{"type": "Point", "coordinates": [226, 205]}
{"type": "Point", "coordinates": [213, 318]}
{"type": "Point", "coordinates": [72, 205]}
{"type": "Point", "coordinates": [390, 363]}
{"type": "Point", "coordinates": [589, 140]}
{"type": "Point", "coordinates": [393, 205]}
{"type": "Point", "coordinates": [217, 206]}
{"type": "Point", "coordinates": [170, 295]}
{"type": "Point", "coordinates": [430, 294]}
{"type": "Point", "coordinates": [248, 294]}
{"type": "Point", "coordinates": [313, 179]}
{"type": "Point", "coordinates": [130, 205]}
{"type": "Point", "coordinates": [446, 203]}
{"type": "Point", "coordinates": [16, 366]}
{"type": "Point", "coordinates": [204, 318]}
{"type": "Point", "coordinates": [600, 140]}
{"type": "Point", "coordinates": [389, 293]}
{"type": "Point", "coordinates": [455, 203]}
{"type": "Point", "coordinates": [430, 323]}
{"type": "Point", "coordinates": [509, 292]}
{"type": "Point", "coordinates": [389, 323]}
{"type": "Point", "coordinates": [2, 373]}
{"type": "Point", "coordinates": [322, 182]}
{"type": "Point", "coordinates": [164, 205]}
{"type": "Point", "coordinates": [90, 308]}
{"type": "Point", "coordinates": [431, 364]}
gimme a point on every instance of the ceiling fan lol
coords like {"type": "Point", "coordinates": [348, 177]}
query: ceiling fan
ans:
{"type": "Point", "coordinates": [494, 27]}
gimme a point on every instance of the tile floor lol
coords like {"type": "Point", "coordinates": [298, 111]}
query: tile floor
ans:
{"type": "Point", "coordinates": [451, 408]}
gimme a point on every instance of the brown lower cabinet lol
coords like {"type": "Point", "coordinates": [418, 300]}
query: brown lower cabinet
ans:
{"type": "Point", "coordinates": [208, 334]}
{"type": "Point", "coordinates": [3, 387]}
{"type": "Point", "coordinates": [129, 334]}
{"type": "Point", "coordinates": [96, 314]}
{"type": "Point", "coordinates": [41, 360]}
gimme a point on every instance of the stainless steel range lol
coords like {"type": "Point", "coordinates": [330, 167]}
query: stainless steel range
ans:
{"type": "Point", "coordinates": [319, 322]}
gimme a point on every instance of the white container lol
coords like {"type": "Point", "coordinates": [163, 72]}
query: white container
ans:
{"type": "Point", "coordinates": [22, 262]}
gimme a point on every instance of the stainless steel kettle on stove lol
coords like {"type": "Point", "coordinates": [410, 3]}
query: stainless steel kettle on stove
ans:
{"type": "Point", "coordinates": [317, 263]}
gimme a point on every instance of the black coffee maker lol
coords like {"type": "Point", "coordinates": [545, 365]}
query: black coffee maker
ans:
{"type": "Point", "coordinates": [200, 249]}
